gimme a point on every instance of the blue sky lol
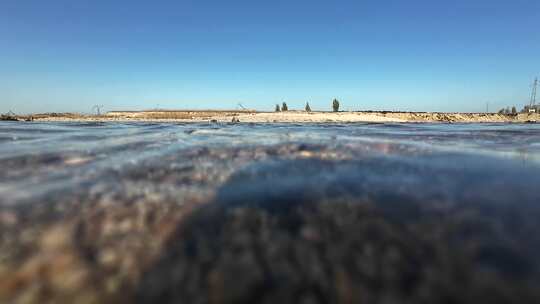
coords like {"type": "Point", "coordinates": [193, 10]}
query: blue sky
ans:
{"type": "Point", "coordinates": [393, 55]}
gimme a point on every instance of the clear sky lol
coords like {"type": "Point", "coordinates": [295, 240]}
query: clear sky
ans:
{"type": "Point", "coordinates": [452, 55]}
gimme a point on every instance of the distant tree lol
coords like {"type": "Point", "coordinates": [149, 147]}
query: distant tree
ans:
{"type": "Point", "coordinates": [277, 108]}
{"type": "Point", "coordinates": [501, 111]}
{"type": "Point", "coordinates": [514, 111]}
{"type": "Point", "coordinates": [308, 108]}
{"type": "Point", "coordinates": [507, 110]}
{"type": "Point", "coordinates": [284, 107]}
{"type": "Point", "coordinates": [335, 105]}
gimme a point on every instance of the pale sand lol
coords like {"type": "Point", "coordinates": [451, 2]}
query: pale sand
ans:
{"type": "Point", "coordinates": [297, 117]}
{"type": "Point", "coordinates": [316, 117]}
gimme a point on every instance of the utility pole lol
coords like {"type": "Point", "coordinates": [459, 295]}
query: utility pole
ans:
{"type": "Point", "coordinates": [97, 109]}
{"type": "Point", "coordinates": [533, 94]}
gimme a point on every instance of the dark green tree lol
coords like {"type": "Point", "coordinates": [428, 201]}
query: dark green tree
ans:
{"type": "Point", "coordinates": [308, 108]}
{"type": "Point", "coordinates": [284, 107]}
{"type": "Point", "coordinates": [277, 108]}
{"type": "Point", "coordinates": [335, 105]}
{"type": "Point", "coordinates": [514, 111]}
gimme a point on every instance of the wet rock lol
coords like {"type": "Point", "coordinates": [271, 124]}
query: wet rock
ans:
{"type": "Point", "coordinates": [331, 253]}
{"type": "Point", "coordinates": [8, 118]}
{"type": "Point", "coordinates": [285, 244]}
{"type": "Point", "coordinates": [56, 269]}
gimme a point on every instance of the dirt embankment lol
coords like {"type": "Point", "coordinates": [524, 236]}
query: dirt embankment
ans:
{"type": "Point", "coordinates": [291, 117]}
{"type": "Point", "coordinates": [322, 117]}
{"type": "Point", "coordinates": [461, 117]}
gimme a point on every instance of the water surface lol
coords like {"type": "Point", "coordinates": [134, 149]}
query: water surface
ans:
{"type": "Point", "coordinates": [39, 158]}
{"type": "Point", "coordinates": [266, 213]}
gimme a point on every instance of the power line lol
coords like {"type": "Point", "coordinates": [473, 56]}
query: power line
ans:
{"type": "Point", "coordinates": [97, 109]}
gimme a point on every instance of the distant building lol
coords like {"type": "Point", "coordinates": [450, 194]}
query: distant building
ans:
{"type": "Point", "coordinates": [531, 109]}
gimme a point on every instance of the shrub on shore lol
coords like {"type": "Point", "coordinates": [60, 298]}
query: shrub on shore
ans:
{"type": "Point", "coordinates": [284, 107]}
{"type": "Point", "coordinates": [308, 108]}
{"type": "Point", "coordinates": [335, 105]}
{"type": "Point", "coordinates": [277, 108]}
{"type": "Point", "coordinates": [508, 111]}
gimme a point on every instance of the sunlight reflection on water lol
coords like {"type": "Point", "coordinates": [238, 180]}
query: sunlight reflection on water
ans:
{"type": "Point", "coordinates": [39, 158]}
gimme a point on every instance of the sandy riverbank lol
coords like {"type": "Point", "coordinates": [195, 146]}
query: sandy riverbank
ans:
{"type": "Point", "coordinates": [293, 117]}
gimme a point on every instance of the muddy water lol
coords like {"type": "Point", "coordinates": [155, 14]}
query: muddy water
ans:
{"type": "Point", "coordinates": [218, 213]}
